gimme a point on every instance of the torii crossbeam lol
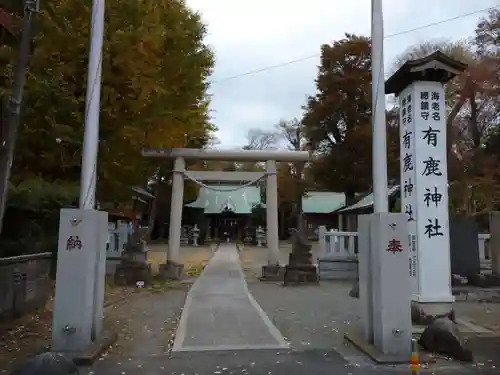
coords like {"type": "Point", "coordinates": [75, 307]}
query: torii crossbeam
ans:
{"type": "Point", "coordinates": [174, 266]}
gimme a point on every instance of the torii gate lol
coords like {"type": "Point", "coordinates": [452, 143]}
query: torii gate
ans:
{"type": "Point", "coordinates": [174, 266]}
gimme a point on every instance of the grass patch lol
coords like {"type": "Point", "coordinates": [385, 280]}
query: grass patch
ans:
{"type": "Point", "coordinates": [194, 269]}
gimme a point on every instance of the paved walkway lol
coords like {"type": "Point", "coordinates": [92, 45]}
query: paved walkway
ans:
{"type": "Point", "coordinates": [221, 314]}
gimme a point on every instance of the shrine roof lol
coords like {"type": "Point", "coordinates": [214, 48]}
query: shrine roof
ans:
{"type": "Point", "coordinates": [367, 201]}
{"type": "Point", "coordinates": [239, 201]}
{"type": "Point", "coordinates": [322, 202]}
{"type": "Point", "coordinates": [242, 201]}
{"type": "Point", "coordinates": [436, 67]}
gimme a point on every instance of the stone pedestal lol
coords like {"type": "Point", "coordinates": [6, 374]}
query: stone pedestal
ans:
{"type": "Point", "coordinates": [129, 272]}
{"type": "Point", "coordinates": [337, 269]}
{"type": "Point", "coordinates": [171, 271]}
{"type": "Point", "coordinates": [392, 328]}
{"type": "Point", "coordinates": [133, 266]}
{"type": "Point", "coordinates": [300, 268]}
{"type": "Point", "coordinates": [79, 293]}
{"type": "Point", "coordinates": [272, 272]}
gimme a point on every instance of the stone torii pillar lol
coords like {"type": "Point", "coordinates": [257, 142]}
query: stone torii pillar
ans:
{"type": "Point", "coordinates": [272, 213]}
{"type": "Point", "coordinates": [174, 267]}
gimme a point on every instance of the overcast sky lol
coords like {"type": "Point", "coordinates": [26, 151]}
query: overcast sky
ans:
{"type": "Point", "coordinates": [252, 35]}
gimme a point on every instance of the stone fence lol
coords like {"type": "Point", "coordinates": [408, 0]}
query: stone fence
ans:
{"type": "Point", "coordinates": [25, 284]}
{"type": "Point", "coordinates": [339, 251]}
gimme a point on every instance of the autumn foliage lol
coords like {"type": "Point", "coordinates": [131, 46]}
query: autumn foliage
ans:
{"type": "Point", "coordinates": [155, 67]}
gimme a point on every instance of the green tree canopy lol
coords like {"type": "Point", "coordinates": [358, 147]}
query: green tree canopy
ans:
{"type": "Point", "coordinates": [154, 80]}
{"type": "Point", "coordinates": [337, 118]}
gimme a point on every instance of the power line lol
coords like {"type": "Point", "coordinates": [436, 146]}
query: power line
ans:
{"type": "Point", "coordinates": [290, 62]}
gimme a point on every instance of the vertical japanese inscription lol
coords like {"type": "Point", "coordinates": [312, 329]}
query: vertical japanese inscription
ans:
{"type": "Point", "coordinates": [430, 163]}
{"type": "Point", "coordinates": [407, 158]}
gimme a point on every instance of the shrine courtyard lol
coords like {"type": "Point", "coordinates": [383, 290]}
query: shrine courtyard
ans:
{"type": "Point", "coordinates": [225, 321]}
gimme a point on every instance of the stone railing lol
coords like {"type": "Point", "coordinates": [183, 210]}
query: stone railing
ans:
{"type": "Point", "coordinates": [484, 248]}
{"type": "Point", "coordinates": [336, 244]}
{"type": "Point", "coordinates": [337, 257]}
{"type": "Point", "coordinates": [338, 251]}
{"type": "Point", "coordinates": [25, 284]}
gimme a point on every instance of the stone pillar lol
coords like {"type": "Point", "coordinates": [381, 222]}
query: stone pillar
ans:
{"type": "Point", "coordinates": [419, 86]}
{"type": "Point", "coordinates": [365, 277]}
{"type": "Point", "coordinates": [322, 239]}
{"type": "Point", "coordinates": [424, 190]}
{"type": "Point", "coordinates": [76, 318]}
{"type": "Point", "coordinates": [174, 267]}
{"type": "Point", "coordinates": [272, 212]}
{"type": "Point", "coordinates": [392, 328]}
{"type": "Point", "coordinates": [495, 242]}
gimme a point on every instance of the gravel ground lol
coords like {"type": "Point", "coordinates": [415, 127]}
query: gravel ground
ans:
{"type": "Point", "coordinates": [316, 317]}
{"type": "Point", "coordinates": [145, 319]}
{"type": "Point", "coordinates": [310, 317]}
{"type": "Point", "coordinates": [146, 323]}
{"type": "Point", "coordinates": [483, 314]}
{"type": "Point", "coordinates": [480, 313]}
{"type": "Point", "coordinates": [29, 334]}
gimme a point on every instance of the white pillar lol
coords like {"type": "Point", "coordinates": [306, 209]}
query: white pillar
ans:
{"type": "Point", "coordinates": [77, 319]}
{"type": "Point", "coordinates": [174, 236]}
{"type": "Point", "coordinates": [380, 199]}
{"type": "Point", "coordinates": [322, 239]}
{"type": "Point", "coordinates": [272, 212]}
{"type": "Point", "coordinates": [390, 279]}
{"type": "Point", "coordinates": [424, 189]}
{"type": "Point", "coordinates": [93, 103]}
{"type": "Point", "coordinates": [365, 277]}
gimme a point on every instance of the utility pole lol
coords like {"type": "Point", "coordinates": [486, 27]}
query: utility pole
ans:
{"type": "Point", "coordinates": [14, 104]}
{"type": "Point", "coordinates": [379, 157]}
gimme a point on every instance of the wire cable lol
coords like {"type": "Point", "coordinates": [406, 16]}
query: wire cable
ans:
{"type": "Point", "coordinates": [270, 67]}
{"type": "Point", "coordinates": [294, 61]}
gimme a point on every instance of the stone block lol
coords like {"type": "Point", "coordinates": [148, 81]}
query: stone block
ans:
{"type": "Point", "coordinates": [442, 336]}
{"type": "Point", "coordinates": [484, 280]}
{"type": "Point", "coordinates": [47, 363]}
{"type": "Point", "coordinates": [272, 272]}
{"type": "Point", "coordinates": [130, 272]}
{"type": "Point", "coordinates": [171, 271]}
{"type": "Point", "coordinates": [338, 269]}
{"type": "Point", "coordinates": [79, 244]}
{"type": "Point", "coordinates": [392, 329]}
{"type": "Point", "coordinates": [301, 274]}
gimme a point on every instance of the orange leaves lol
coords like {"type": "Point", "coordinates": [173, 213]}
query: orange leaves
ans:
{"type": "Point", "coordinates": [153, 93]}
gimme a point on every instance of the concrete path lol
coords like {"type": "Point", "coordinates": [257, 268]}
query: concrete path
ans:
{"type": "Point", "coordinates": [221, 314]}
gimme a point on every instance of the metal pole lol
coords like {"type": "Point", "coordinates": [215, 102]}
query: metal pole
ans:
{"type": "Point", "coordinates": [13, 107]}
{"type": "Point", "coordinates": [92, 109]}
{"type": "Point", "coordinates": [380, 199]}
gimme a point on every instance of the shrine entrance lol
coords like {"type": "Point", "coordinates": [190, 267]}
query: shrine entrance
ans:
{"type": "Point", "coordinates": [227, 227]}
{"type": "Point", "coordinates": [174, 266]}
